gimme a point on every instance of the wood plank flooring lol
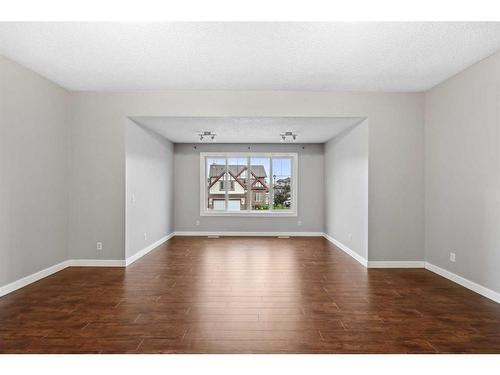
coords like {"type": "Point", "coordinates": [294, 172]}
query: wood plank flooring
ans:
{"type": "Point", "coordinates": [247, 295]}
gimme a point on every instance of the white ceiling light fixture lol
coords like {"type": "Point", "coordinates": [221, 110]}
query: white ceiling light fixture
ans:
{"type": "Point", "coordinates": [288, 135]}
{"type": "Point", "coordinates": [207, 135]}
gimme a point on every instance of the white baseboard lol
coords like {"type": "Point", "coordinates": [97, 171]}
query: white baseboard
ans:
{"type": "Point", "coordinates": [374, 264]}
{"type": "Point", "coordinates": [345, 249]}
{"type": "Point", "coordinates": [482, 290]}
{"type": "Point", "coordinates": [18, 284]}
{"type": "Point", "coordinates": [96, 263]}
{"type": "Point", "coordinates": [396, 264]}
{"type": "Point", "coordinates": [249, 234]}
{"type": "Point", "coordinates": [131, 259]}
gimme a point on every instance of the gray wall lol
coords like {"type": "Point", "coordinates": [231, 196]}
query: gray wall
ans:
{"type": "Point", "coordinates": [462, 170]}
{"type": "Point", "coordinates": [310, 191]}
{"type": "Point", "coordinates": [149, 179]}
{"type": "Point", "coordinates": [396, 187]}
{"type": "Point", "coordinates": [462, 138]}
{"type": "Point", "coordinates": [33, 172]}
{"type": "Point", "coordinates": [346, 188]}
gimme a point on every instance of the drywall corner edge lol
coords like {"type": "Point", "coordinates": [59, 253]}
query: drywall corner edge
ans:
{"type": "Point", "coordinates": [347, 250]}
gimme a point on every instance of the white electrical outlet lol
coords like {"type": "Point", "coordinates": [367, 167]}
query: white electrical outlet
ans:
{"type": "Point", "coordinates": [99, 246]}
{"type": "Point", "coordinates": [299, 223]}
{"type": "Point", "coordinates": [452, 257]}
{"type": "Point", "coordinates": [350, 237]}
{"type": "Point", "coordinates": [145, 236]}
{"type": "Point", "coordinates": [197, 222]}
{"type": "Point", "coordinates": [133, 199]}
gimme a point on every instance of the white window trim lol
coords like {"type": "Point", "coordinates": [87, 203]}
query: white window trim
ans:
{"type": "Point", "coordinates": [293, 212]}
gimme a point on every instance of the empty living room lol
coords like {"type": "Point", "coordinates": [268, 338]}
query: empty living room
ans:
{"type": "Point", "coordinates": [249, 188]}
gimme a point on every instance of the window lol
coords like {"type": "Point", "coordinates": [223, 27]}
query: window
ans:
{"type": "Point", "coordinates": [282, 177]}
{"type": "Point", "coordinates": [248, 184]}
{"type": "Point", "coordinates": [216, 168]}
{"type": "Point", "coordinates": [230, 185]}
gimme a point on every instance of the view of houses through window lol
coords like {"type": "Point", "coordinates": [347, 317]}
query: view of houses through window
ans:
{"type": "Point", "coordinates": [249, 183]}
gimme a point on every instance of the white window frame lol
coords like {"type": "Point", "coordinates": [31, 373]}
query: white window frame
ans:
{"type": "Point", "coordinates": [204, 211]}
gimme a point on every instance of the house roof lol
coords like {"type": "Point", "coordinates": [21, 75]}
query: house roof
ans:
{"type": "Point", "coordinates": [283, 180]}
{"type": "Point", "coordinates": [217, 169]}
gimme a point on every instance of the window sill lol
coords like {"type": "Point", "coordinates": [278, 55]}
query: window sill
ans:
{"type": "Point", "coordinates": [250, 214]}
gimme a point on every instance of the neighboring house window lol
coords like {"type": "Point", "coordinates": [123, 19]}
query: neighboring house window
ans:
{"type": "Point", "coordinates": [253, 183]}
{"type": "Point", "coordinates": [230, 185]}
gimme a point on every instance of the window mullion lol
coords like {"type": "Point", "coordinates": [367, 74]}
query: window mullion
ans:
{"type": "Point", "coordinates": [271, 186]}
{"type": "Point", "coordinates": [292, 184]}
{"type": "Point", "coordinates": [249, 188]}
{"type": "Point", "coordinates": [226, 180]}
{"type": "Point", "coordinates": [206, 179]}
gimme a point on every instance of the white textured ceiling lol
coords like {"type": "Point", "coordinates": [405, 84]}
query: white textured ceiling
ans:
{"type": "Point", "coordinates": [249, 56]}
{"type": "Point", "coordinates": [247, 129]}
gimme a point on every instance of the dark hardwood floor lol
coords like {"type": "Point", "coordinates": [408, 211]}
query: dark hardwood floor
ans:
{"type": "Point", "coordinates": [247, 295]}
